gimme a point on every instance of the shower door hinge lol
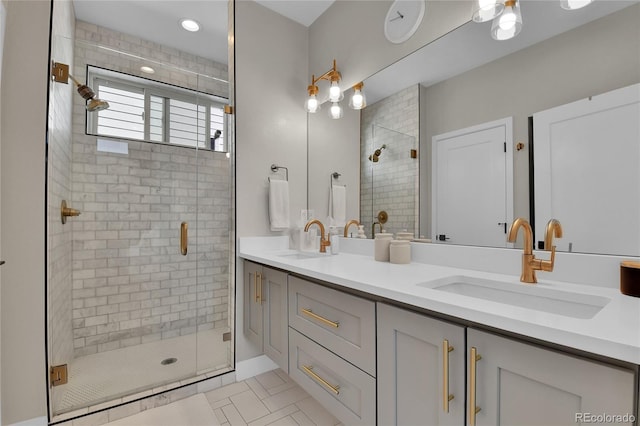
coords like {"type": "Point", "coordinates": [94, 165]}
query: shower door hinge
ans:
{"type": "Point", "coordinates": [226, 336]}
{"type": "Point", "coordinates": [228, 109]}
{"type": "Point", "coordinates": [58, 375]}
{"type": "Point", "coordinates": [60, 72]}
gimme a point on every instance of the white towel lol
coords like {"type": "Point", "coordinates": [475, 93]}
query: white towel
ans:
{"type": "Point", "coordinates": [279, 204]}
{"type": "Point", "coordinates": [338, 204]}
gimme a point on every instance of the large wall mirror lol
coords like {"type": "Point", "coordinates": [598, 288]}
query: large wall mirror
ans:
{"type": "Point", "coordinates": [466, 80]}
{"type": "Point", "coordinates": [142, 278]}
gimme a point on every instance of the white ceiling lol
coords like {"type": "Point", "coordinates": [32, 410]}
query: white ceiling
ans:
{"type": "Point", "coordinates": [463, 49]}
{"type": "Point", "coordinates": [159, 20]}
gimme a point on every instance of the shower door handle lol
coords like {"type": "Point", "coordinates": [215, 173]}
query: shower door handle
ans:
{"type": "Point", "coordinates": [184, 238]}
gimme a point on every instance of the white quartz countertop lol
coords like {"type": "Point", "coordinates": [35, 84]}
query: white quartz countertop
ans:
{"type": "Point", "coordinates": [613, 332]}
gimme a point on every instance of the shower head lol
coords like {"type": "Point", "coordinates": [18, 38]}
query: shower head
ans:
{"type": "Point", "coordinates": [93, 103]}
{"type": "Point", "coordinates": [376, 154]}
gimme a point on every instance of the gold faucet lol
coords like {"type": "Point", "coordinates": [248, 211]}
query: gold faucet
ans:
{"type": "Point", "coordinates": [529, 262]}
{"type": "Point", "coordinates": [324, 242]}
{"type": "Point", "coordinates": [553, 229]}
{"type": "Point", "coordinates": [346, 227]}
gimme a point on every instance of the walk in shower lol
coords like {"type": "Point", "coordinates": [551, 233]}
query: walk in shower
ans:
{"type": "Point", "coordinates": [139, 284]}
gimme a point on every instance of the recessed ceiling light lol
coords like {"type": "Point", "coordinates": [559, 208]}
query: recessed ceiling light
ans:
{"type": "Point", "coordinates": [189, 24]}
{"type": "Point", "coordinates": [147, 70]}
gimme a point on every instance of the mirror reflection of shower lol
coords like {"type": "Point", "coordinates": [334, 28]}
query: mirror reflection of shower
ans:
{"type": "Point", "coordinates": [377, 153]}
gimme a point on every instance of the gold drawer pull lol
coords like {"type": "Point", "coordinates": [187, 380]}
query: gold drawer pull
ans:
{"type": "Point", "coordinates": [309, 370]}
{"type": "Point", "coordinates": [473, 409]}
{"type": "Point", "coordinates": [310, 313]}
{"type": "Point", "coordinates": [446, 396]}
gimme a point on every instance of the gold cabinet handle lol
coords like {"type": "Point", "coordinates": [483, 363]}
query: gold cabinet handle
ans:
{"type": "Point", "coordinates": [446, 396]}
{"type": "Point", "coordinates": [473, 409]}
{"type": "Point", "coordinates": [259, 292]}
{"type": "Point", "coordinates": [311, 314]}
{"type": "Point", "coordinates": [184, 238]}
{"type": "Point", "coordinates": [332, 388]}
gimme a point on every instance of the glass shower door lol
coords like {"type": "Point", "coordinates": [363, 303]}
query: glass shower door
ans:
{"type": "Point", "coordinates": [137, 284]}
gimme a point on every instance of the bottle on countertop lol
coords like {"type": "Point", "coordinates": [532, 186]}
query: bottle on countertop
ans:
{"type": "Point", "coordinates": [381, 246]}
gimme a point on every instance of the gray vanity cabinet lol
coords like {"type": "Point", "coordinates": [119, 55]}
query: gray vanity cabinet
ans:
{"type": "Point", "coordinates": [518, 383]}
{"type": "Point", "coordinates": [265, 311]}
{"type": "Point", "coordinates": [420, 360]}
{"type": "Point", "coordinates": [332, 349]}
{"type": "Point", "coordinates": [506, 381]}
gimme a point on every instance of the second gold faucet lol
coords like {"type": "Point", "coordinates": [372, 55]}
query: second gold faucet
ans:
{"type": "Point", "coordinates": [529, 262]}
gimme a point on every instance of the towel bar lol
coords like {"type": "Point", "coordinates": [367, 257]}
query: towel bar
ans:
{"type": "Point", "coordinates": [275, 168]}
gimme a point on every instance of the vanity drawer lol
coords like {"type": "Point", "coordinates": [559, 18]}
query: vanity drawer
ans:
{"type": "Point", "coordinates": [343, 389]}
{"type": "Point", "coordinates": [342, 323]}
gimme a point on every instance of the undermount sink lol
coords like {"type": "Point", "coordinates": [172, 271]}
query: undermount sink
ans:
{"type": "Point", "coordinates": [536, 297]}
{"type": "Point", "coordinates": [301, 255]}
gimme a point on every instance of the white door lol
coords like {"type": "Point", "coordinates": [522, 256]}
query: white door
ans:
{"type": "Point", "coordinates": [587, 172]}
{"type": "Point", "coordinates": [473, 185]}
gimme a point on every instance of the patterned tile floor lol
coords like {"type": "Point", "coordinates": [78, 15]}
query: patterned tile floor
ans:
{"type": "Point", "coordinates": [271, 398]}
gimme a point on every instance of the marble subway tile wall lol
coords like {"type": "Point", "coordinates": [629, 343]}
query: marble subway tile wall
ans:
{"type": "Point", "coordinates": [391, 183]}
{"type": "Point", "coordinates": [59, 236]}
{"type": "Point", "coordinates": [131, 285]}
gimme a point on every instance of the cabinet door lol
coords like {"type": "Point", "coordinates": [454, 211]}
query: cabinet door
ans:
{"type": "Point", "coordinates": [523, 384]}
{"type": "Point", "coordinates": [274, 304]}
{"type": "Point", "coordinates": [252, 304]}
{"type": "Point", "coordinates": [412, 363]}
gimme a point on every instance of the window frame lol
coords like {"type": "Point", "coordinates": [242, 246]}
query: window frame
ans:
{"type": "Point", "coordinates": [149, 88]}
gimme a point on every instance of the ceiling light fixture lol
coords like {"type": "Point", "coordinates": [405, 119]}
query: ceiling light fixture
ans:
{"type": "Point", "coordinates": [147, 70]}
{"type": "Point", "coordinates": [189, 24]}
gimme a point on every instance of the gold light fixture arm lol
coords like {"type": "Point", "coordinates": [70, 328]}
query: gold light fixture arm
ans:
{"type": "Point", "coordinates": [332, 75]}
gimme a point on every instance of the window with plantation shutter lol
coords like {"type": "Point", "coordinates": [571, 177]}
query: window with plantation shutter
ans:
{"type": "Point", "coordinates": [144, 110]}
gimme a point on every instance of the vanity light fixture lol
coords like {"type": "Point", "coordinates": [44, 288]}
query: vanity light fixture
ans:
{"type": "Point", "coordinates": [487, 10]}
{"type": "Point", "coordinates": [189, 24]}
{"type": "Point", "coordinates": [358, 100]}
{"type": "Point", "coordinates": [335, 111]}
{"type": "Point", "coordinates": [506, 15]}
{"type": "Point", "coordinates": [574, 4]}
{"type": "Point", "coordinates": [335, 93]}
{"type": "Point", "coordinates": [509, 23]}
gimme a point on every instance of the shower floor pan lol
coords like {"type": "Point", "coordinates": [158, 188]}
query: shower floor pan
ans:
{"type": "Point", "coordinates": [96, 380]}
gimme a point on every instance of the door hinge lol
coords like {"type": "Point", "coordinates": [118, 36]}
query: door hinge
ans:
{"type": "Point", "coordinates": [505, 147]}
{"type": "Point", "coordinates": [58, 375]}
{"type": "Point", "coordinates": [226, 336]}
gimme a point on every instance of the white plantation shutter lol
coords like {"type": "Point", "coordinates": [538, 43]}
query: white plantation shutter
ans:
{"type": "Point", "coordinates": [125, 116]}
{"type": "Point", "coordinates": [187, 123]}
{"type": "Point", "coordinates": [155, 114]}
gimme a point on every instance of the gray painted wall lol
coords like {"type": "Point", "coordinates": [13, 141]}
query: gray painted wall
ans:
{"type": "Point", "coordinates": [592, 59]}
{"type": "Point", "coordinates": [271, 124]}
